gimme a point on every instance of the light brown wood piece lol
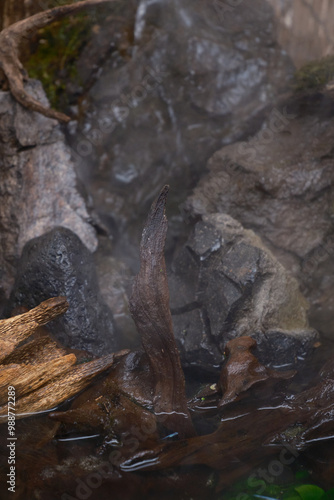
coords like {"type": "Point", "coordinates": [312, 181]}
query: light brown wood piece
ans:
{"type": "Point", "coordinates": [22, 326]}
{"type": "Point", "coordinates": [35, 352]}
{"type": "Point", "coordinates": [29, 378]}
{"type": "Point", "coordinates": [60, 389]}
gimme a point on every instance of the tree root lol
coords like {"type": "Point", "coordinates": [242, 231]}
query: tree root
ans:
{"type": "Point", "coordinates": [12, 71]}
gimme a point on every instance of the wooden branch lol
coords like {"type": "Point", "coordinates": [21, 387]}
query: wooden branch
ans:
{"type": "Point", "coordinates": [10, 39]}
{"type": "Point", "coordinates": [41, 372]}
{"type": "Point", "coordinates": [33, 352]}
{"type": "Point", "coordinates": [242, 442]}
{"type": "Point", "coordinates": [14, 330]}
{"type": "Point", "coordinates": [243, 370]}
{"type": "Point", "coordinates": [149, 306]}
{"type": "Point", "coordinates": [29, 378]}
{"type": "Point", "coordinates": [61, 388]}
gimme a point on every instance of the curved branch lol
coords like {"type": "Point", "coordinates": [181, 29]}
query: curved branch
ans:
{"type": "Point", "coordinates": [11, 66]}
{"type": "Point", "coordinates": [149, 306]}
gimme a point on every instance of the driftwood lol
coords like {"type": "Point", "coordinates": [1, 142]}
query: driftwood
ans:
{"type": "Point", "coordinates": [149, 306]}
{"type": "Point", "coordinates": [124, 412]}
{"type": "Point", "coordinates": [109, 410]}
{"type": "Point", "coordinates": [10, 40]}
{"type": "Point", "coordinates": [29, 378]}
{"type": "Point", "coordinates": [42, 373]}
{"type": "Point", "coordinates": [18, 328]}
{"type": "Point", "coordinates": [247, 436]}
{"type": "Point", "coordinates": [243, 370]}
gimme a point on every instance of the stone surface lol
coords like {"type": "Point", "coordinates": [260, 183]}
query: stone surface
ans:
{"type": "Point", "coordinates": [304, 27]}
{"type": "Point", "coordinates": [280, 183]}
{"type": "Point", "coordinates": [115, 283]}
{"type": "Point", "coordinates": [37, 182]}
{"type": "Point", "coordinates": [225, 284]}
{"type": "Point", "coordinates": [58, 263]}
{"type": "Point", "coordinates": [190, 81]}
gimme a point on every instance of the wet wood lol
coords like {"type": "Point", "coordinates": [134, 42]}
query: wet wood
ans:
{"type": "Point", "coordinates": [246, 437]}
{"type": "Point", "coordinates": [243, 370]}
{"type": "Point", "coordinates": [61, 388]}
{"type": "Point", "coordinates": [43, 348]}
{"type": "Point", "coordinates": [42, 373]}
{"type": "Point", "coordinates": [149, 306]}
{"type": "Point", "coordinates": [27, 378]}
{"type": "Point", "coordinates": [19, 327]}
{"type": "Point", "coordinates": [15, 330]}
{"type": "Point", "coordinates": [10, 65]}
{"type": "Point", "coordinates": [112, 412]}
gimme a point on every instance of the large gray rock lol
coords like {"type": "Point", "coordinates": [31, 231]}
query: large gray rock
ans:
{"type": "Point", "coordinates": [225, 283]}
{"type": "Point", "coordinates": [192, 81]}
{"type": "Point", "coordinates": [58, 263]}
{"type": "Point", "coordinates": [37, 182]}
{"type": "Point", "coordinates": [280, 183]}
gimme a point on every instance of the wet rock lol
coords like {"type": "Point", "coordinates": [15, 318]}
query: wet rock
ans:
{"type": "Point", "coordinates": [37, 182]}
{"type": "Point", "coordinates": [58, 263]}
{"type": "Point", "coordinates": [192, 81]}
{"type": "Point", "coordinates": [280, 183]}
{"type": "Point", "coordinates": [225, 284]}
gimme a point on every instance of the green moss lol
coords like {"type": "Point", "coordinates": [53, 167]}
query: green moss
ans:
{"type": "Point", "coordinates": [55, 54]}
{"type": "Point", "coordinates": [314, 75]}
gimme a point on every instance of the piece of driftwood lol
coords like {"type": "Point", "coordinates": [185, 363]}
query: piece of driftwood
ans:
{"type": "Point", "coordinates": [15, 330]}
{"type": "Point", "coordinates": [243, 370]}
{"type": "Point", "coordinates": [10, 64]}
{"type": "Point", "coordinates": [149, 306]}
{"type": "Point", "coordinates": [42, 373]}
{"type": "Point", "coordinates": [250, 433]}
{"type": "Point", "coordinates": [31, 353]}
{"type": "Point", "coordinates": [63, 387]}
{"type": "Point", "coordinates": [276, 425]}
{"type": "Point", "coordinates": [244, 440]}
{"type": "Point", "coordinates": [28, 378]}
{"type": "Point", "coordinates": [110, 411]}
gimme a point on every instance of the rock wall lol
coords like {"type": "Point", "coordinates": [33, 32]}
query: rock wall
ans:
{"type": "Point", "coordinates": [191, 81]}
{"type": "Point", "coordinates": [58, 264]}
{"type": "Point", "coordinates": [38, 185]}
{"type": "Point", "coordinates": [305, 28]}
{"type": "Point", "coordinates": [225, 284]}
{"type": "Point", "coordinates": [280, 183]}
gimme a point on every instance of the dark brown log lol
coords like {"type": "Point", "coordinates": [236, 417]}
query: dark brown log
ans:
{"type": "Point", "coordinates": [10, 40]}
{"type": "Point", "coordinates": [111, 411]}
{"type": "Point", "coordinates": [149, 306]}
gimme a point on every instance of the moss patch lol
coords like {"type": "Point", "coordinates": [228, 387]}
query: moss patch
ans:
{"type": "Point", "coordinates": [53, 58]}
{"type": "Point", "coordinates": [314, 75]}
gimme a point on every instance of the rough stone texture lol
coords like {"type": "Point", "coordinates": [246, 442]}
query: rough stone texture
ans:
{"type": "Point", "coordinates": [37, 182]}
{"type": "Point", "coordinates": [304, 28]}
{"type": "Point", "coordinates": [225, 283]}
{"type": "Point", "coordinates": [58, 263]}
{"type": "Point", "coordinates": [192, 81]}
{"type": "Point", "coordinates": [281, 184]}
